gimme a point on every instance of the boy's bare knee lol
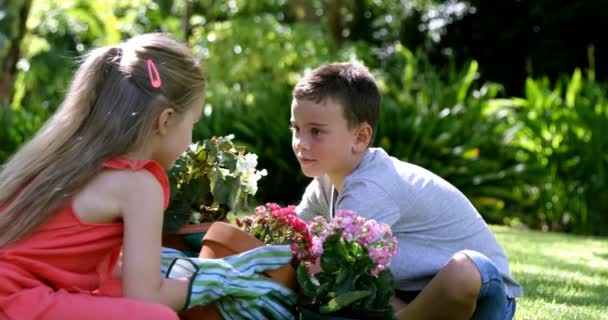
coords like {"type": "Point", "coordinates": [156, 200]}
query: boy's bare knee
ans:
{"type": "Point", "coordinates": [463, 279]}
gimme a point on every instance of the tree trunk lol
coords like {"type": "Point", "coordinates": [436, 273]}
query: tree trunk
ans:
{"type": "Point", "coordinates": [302, 10]}
{"type": "Point", "coordinates": [334, 19]}
{"type": "Point", "coordinates": [186, 29]}
{"type": "Point", "coordinates": [12, 30]}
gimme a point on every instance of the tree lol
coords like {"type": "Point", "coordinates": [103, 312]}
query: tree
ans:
{"type": "Point", "coordinates": [12, 31]}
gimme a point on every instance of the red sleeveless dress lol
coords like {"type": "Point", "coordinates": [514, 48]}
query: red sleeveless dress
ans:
{"type": "Point", "coordinates": [63, 271]}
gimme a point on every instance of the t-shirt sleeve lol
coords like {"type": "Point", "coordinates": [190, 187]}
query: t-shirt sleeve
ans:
{"type": "Point", "coordinates": [368, 200]}
{"type": "Point", "coordinates": [313, 202]}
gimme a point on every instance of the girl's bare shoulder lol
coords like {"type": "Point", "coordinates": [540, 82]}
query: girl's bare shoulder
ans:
{"type": "Point", "coordinates": [105, 198]}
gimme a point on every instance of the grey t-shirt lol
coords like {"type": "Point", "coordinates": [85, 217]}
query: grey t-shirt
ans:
{"type": "Point", "coordinates": [431, 219]}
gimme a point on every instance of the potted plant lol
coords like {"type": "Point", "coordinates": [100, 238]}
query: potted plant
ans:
{"type": "Point", "coordinates": [270, 224]}
{"type": "Point", "coordinates": [207, 182]}
{"type": "Point", "coordinates": [354, 280]}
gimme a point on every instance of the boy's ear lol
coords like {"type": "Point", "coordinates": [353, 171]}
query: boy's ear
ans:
{"type": "Point", "coordinates": [363, 136]}
{"type": "Point", "coordinates": [164, 120]}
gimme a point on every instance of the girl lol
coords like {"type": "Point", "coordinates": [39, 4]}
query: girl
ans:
{"type": "Point", "coordinates": [93, 181]}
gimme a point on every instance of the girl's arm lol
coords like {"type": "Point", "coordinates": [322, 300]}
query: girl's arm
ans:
{"type": "Point", "coordinates": [141, 204]}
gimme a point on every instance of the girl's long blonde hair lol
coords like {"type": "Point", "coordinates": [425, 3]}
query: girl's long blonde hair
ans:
{"type": "Point", "coordinates": [108, 111]}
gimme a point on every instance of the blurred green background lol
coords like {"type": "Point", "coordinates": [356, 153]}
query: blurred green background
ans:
{"type": "Point", "coordinates": [505, 99]}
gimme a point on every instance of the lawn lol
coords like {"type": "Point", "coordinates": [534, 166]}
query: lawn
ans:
{"type": "Point", "coordinates": [564, 276]}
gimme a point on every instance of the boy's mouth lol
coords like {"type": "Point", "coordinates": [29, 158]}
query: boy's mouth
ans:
{"type": "Point", "coordinates": [306, 161]}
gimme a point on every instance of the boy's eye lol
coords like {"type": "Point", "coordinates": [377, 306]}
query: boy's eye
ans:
{"type": "Point", "coordinates": [315, 131]}
{"type": "Point", "coordinates": [293, 128]}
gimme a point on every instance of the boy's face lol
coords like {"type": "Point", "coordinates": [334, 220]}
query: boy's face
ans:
{"type": "Point", "coordinates": [321, 139]}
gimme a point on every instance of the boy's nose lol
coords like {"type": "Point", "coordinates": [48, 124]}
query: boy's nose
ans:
{"type": "Point", "coordinates": [300, 143]}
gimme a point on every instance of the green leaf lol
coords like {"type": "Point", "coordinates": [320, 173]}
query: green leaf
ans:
{"type": "Point", "coordinates": [384, 285]}
{"type": "Point", "coordinates": [234, 192]}
{"type": "Point", "coordinates": [335, 256]}
{"type": "Point", "coordinates": [307, 282]}
{"type": "Point", "coordinates": [223, 187]}
{"type": "Point", "coordinates": [344, 281]}
{"type": "Point", "coordinates": [343, 300]}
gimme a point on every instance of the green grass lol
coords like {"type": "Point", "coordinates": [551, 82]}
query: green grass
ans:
{"type": "Point", "coordinates": [564, 276]}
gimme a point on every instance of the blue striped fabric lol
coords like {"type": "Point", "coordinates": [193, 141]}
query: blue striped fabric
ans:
{"type": "Point", "coordinates": [167, 256]}
{"type": "Point", "coordinates": [235, 283]}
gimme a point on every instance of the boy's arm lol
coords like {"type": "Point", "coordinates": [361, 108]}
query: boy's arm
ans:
{"type": "Point", "coordinates": [315, 200]}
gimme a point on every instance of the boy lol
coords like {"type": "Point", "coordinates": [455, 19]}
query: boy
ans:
{"type": "Point", "coordinates": [334, 113]}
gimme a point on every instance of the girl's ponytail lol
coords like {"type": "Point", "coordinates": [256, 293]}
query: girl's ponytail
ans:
{"type": "Point", "coordinates": [88, 82]}
{"type": "Point", "coordinates": [109, 111]}
{"type": "Point", "coordinates": [16, 219]}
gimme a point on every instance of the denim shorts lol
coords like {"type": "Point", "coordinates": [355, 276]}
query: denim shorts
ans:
{"type": "Point", "coordinates": [493, 302]}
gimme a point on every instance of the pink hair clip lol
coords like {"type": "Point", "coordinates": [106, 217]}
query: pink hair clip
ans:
{"type": "Point", "coordinates": [153, 74]}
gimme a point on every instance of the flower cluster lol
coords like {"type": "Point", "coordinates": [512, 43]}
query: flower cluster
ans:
{"type": "Point", "coordinates": [376, 238]}
{"type": "Point", "coordinates": [354, 255]}
{"type": "Point", "coordinates": [247, 172]}
{"type": "Point", "coordinates": [272, 224]}
{"type": "Point", "coordinates": [209, 180]}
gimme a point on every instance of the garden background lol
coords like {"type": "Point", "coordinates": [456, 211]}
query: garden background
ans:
{"type": "Point", "coordinates": [507, 100]}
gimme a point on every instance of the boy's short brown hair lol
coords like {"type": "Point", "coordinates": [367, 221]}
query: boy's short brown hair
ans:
{"type": "Point", "coordinates": [350, 84]}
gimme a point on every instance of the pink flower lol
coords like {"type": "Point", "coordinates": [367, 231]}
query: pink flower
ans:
{"type": "Point", "coordinates": [317, 246]}
{"type": "Point", "coordinates": [273, 206]}
{"type": "Point", "coordinates": [275, 225]}
{"type": "Point", "coordinates": [260, 210]}
{"type": "Point", "coordinates": [353, 229]}
{"type": "Point", "coordinates": [294, 247]}
{"type": "Point", "coordinates": [375, 272]}
{"type": "Point", "coordinates": [299, 225]}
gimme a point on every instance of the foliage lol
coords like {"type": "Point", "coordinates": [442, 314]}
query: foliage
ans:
{"type": "Point", "coordinates": [537, 158]}
{"type": "Point", "coordinates": [209, 180]}
{"type": "Point", "coordinates": [17, 127]}
{"type": "Point", "coordinates": [272, 224]}
{"type": "Point", "coordinates": [355, 255]}
{"type": "Point", "coordinates": [560, 138]}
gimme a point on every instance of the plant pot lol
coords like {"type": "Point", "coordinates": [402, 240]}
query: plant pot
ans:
{"type": "Point", "coordinates": [223, 239]}
{"type": "Point", "coordinates": [311, 312]}
{"type": "Point", "coordinates": [188, 238]}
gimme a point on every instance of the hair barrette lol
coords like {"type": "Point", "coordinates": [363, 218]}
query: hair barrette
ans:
{"type": "Point", "coordinates": [153, 74]}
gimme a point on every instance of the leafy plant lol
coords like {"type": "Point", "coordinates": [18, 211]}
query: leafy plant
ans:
{"type": "Point", "coordinates": [355, 256]}
{"type": "Point", "coordinates": [209, 180]}
{"type": "Point", "coordinates": [560, 138]}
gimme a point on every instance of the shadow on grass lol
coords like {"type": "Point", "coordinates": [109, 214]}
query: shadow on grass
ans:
{"type": "Point", "coordinates": [603, 255]}
{"type": "Point", "coordinates": [560, 291]}
{"type": "Point", "coordinates": [544, 261]}
{"type": "Point", "coordinates": [595, 295]}
{"type": "Point", "coordinates": [562, 279]}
